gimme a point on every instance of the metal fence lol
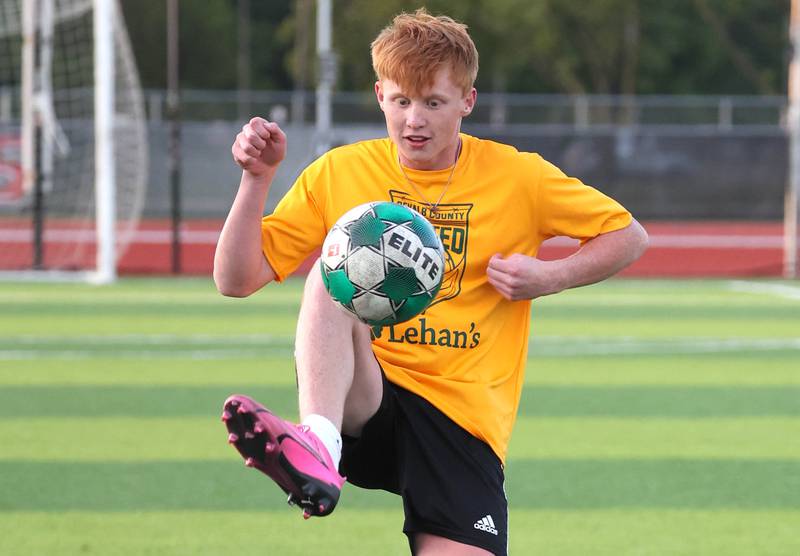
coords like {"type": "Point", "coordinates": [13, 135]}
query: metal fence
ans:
{"type": "Point", "coordinates": [664, 157]}
{"type": "Point", "coordinates": [495, 110]}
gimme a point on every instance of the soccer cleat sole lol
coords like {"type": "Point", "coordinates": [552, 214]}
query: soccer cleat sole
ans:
{"type": "Point", "coordinates": [260, 451]}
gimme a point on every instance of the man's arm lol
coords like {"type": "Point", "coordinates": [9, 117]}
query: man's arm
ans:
{"type": "Point", "coordinates": [521, 277]}
{"type": "Point", "coordinates": [240, 267]}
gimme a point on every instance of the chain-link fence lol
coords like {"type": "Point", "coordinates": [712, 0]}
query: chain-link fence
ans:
{"type": "Point", "coordinates": [495, 109]}
{"type": "Point", "coordinates": [673, 158]}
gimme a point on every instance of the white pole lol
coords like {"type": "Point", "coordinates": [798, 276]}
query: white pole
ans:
{"type": "Point", "coordinates": [27, 90]}
{"type": "Point", "coordinates": [327, 74]}
{"type": "Point", "coordinates": [44, 95]}
{"type": "Point", "coordinates": [104, 140]}
{"type": "Point", "coordinates": [790, 199]}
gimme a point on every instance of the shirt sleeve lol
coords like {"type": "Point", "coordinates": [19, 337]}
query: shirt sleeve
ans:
{"type": "Point", "coordinates": [568, 207]}
{"type": "Point", "coordinates": [296, 228]}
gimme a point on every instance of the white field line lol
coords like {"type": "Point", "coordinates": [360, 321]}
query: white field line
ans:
{"type": "Point", "coordinates": [135, 346]}
{"type": "Point", "coordinates": [151, 339]}
{"type": "Point", "coordinates": [195, 355]}
{"type": "Point", "coordinates": [571, 347]}
{"type": "Point", "coordinates": [140, 346]}
{"type": "Point", "coordinates": [210, 237]}
{"type": "Point", "coordinates": [776, 290]}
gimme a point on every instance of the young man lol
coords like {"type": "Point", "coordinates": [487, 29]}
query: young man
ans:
{"type": "Point", "coordinates": [425, 410]}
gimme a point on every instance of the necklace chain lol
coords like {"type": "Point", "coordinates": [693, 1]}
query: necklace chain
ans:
{"type": "Point", "coordinates": [433, 207]}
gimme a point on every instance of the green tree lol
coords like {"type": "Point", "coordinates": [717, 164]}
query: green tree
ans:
{"type": "Point", "coordinates": [601, 46]}
{"type": "Point", "coordinates": [208, 46]}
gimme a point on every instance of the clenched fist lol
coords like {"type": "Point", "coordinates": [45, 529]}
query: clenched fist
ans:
{"type": "Point", "coordinates": [521, 277]}
{"type": "Point", "coordinates": [259, 147]}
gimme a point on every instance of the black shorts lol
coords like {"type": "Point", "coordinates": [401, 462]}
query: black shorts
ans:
{"type": "Point", "coordinates": [451, 482]}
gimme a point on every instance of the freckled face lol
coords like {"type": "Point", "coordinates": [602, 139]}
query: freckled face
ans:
{"type": "Point", "coordinates": [425, 126]}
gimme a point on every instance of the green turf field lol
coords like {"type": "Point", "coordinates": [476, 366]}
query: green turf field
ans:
{"type": "Point", "coordinates": [658, 418]}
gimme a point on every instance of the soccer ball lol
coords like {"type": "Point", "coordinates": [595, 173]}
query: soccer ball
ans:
{"type": "Point", "coordinates": [383, 263]}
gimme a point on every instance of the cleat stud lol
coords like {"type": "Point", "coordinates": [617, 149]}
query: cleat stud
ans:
{"type": "Point", "coordinates": [241, 409]}
{"type": "Point", "coordinates": [232, 437]}
{"type": "Point", "coordinates": [250, 462]}
{"type": "Point", "coordinates": [269, 447]}
{"type": "Point", "coordinates": [249, 435]}
{"type": "Point", "coordinates": [226, 415]}
{"type": "Point", "coordinates": [306, 514]}
{"type": "Point", "coordinates": [321, 508]}
{"type": "Point", "coordinates": [258, 428]}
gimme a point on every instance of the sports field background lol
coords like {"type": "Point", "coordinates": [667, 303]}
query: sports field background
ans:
{"type": "Point", "coordinates": [658, 418]}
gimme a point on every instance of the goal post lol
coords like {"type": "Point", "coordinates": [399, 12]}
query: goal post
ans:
{"type": "Point", "coordinates": [790, 211]}
{"type": "Point", "coordinates": [73, 140]}
{"type": "Point", "coordinates": [106, 263]}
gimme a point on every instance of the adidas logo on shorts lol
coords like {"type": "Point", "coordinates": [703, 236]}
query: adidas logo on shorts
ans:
{"type": "Point", "coordinates": [486, 524]}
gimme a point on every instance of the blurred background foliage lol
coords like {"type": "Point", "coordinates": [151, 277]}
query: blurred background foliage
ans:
{"type": "Point", "coordinates": [526, 46]}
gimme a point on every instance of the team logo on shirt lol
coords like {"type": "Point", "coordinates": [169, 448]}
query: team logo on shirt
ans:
{"type": "Point", "coordinates": [451, 222]}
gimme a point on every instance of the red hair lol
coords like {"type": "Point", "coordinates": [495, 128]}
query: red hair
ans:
{"type": "Point", "coordinates": [415, 46]}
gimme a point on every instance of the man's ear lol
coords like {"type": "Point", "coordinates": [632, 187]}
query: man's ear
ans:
{"type": "Point", "coordinates": [379, 94]}
{"type": "Point", "coordinates": [469, 102]}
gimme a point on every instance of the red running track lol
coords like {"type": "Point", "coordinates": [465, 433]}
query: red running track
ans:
{"type": "Point", "coordinates": [677, 249]}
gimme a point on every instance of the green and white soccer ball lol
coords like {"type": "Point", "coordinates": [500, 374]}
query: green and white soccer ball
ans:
{"type": "Point", "coordinates": [383, 263]}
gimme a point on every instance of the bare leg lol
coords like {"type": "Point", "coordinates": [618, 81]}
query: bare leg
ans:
{"type": "Point", "coordinates": [338, 376]}
{"type": "Point", "coordinates": [426, 544]}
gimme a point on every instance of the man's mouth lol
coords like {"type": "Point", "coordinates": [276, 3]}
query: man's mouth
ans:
{"type": "Point", "coordinates": [416, 140]}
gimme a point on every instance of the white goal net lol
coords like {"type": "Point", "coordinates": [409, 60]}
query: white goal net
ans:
{"type": "Point", "coordinates": [53, 218]}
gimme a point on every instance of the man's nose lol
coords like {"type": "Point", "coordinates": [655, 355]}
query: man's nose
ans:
{"type": "Point", "coordinates": [415, 117]}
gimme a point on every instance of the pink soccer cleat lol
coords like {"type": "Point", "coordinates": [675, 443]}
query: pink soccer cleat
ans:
{"type": "Point", "coordinates": [291, 455]}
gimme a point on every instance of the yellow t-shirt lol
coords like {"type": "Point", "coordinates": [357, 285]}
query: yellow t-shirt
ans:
{"type": "Point", "coordinates": [466, 353]}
